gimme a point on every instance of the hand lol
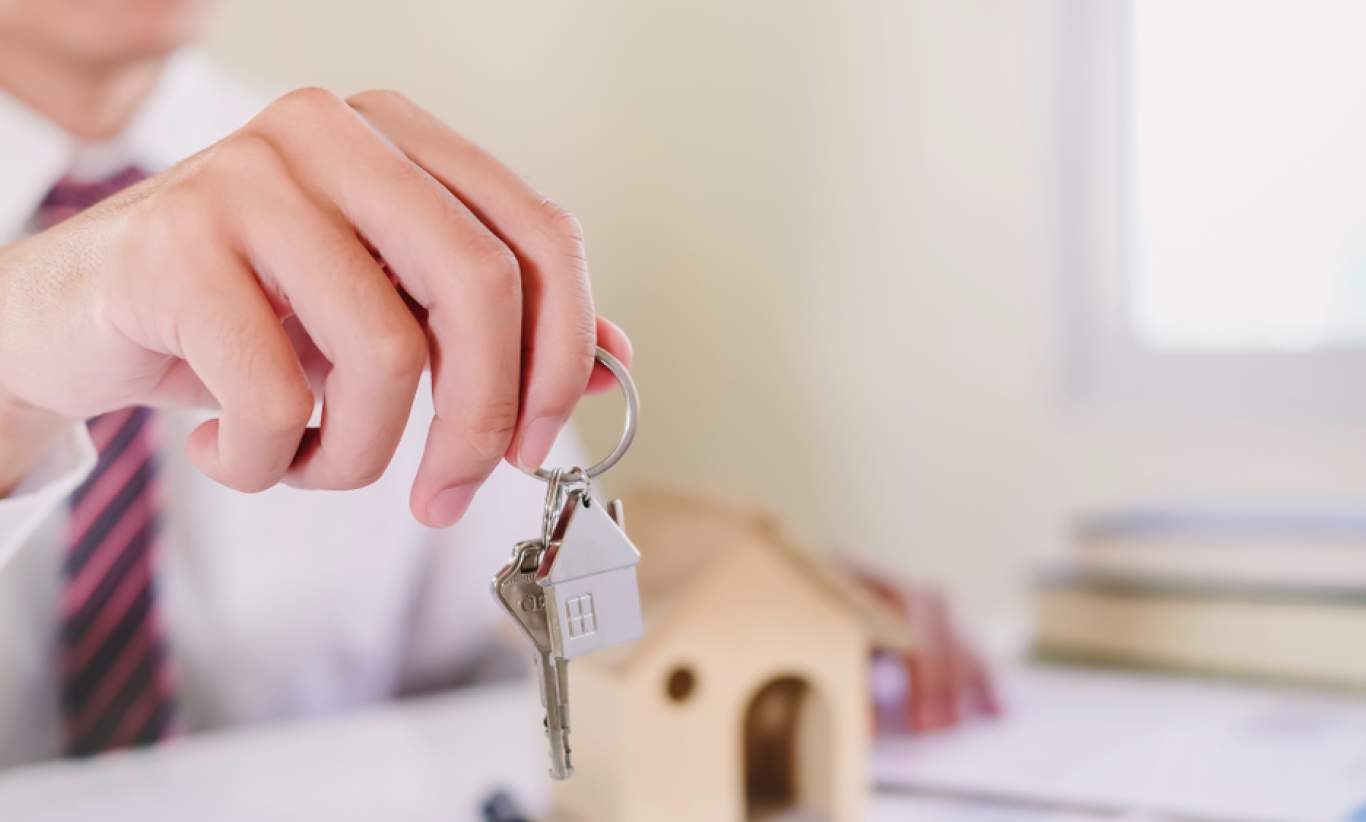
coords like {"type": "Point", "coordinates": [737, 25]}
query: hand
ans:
{"type": "Point", "coordinates": [944, 679]}
{"type": "Point", "coordinates": [329, 246]}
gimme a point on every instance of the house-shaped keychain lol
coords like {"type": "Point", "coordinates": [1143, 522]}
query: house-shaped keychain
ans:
{"type": "Point", "coordinates": [589, 576]}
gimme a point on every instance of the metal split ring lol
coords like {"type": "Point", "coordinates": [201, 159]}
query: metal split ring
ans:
{"type": "Point", "coordinates": [628, 432]}
{"type": "Point", "coordinates": [557, 492]}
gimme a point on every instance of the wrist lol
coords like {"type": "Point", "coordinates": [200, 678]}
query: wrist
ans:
{"type": "Point", "coordinates": [27, 433]}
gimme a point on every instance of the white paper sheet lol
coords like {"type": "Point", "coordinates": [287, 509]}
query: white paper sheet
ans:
{"type": "Point", "coordinates": [1100, 742]}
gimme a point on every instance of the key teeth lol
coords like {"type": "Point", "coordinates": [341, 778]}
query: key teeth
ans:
{"type": "Point", "coordinates": [565, 769]}
{"type": "Point", "coordinates": [559, 776]}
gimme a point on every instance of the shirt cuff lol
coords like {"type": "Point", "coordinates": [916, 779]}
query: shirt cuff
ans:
{"type": "Point", "coordinates": [45, 488]}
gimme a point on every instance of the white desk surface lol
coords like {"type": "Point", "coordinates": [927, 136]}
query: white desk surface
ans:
{"type": "Point", "coordinates": [430, 759]}
{"type": "Point", "coordinates": [437, 758]}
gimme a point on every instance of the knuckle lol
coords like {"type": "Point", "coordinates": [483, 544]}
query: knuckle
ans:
{"type": "Point", "coordinates": [559, 224]}
{"type": "Point", "coordinates": [562, 234]}
{"type": "Point", "coordinates": [198, 196]}
{"type": "Point", "coordinates": [490, 429]}
{"type": "Point", "coordinates": [307, 102]}
{"type": "Point", "coordinates": [497, 265]}
{"type": "Point", "coordinates": [286, 410]}
{"type": "Point", "coordinates": [380, 98]}
{"type": "Point", "coordinates": [428, 195]}
{"type": "Point", "coordinates": [240, 162]}
{"type": "Point", "coordinates": [177, 208]}
{"type": "Point", "coordinates": [245, 150]}
{"type": "Point", "coordinates": [178, 220]}
{"type": "Point", "coordinates": [401, 353]}
{"type": "Point", "coordinates": [359, 472]}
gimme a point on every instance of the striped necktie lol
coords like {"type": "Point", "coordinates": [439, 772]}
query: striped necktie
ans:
{"type": "Point", "coordinates": [116, 678]}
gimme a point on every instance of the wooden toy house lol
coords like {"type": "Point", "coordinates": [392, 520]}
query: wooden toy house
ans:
{"type": "Point", "coordinates": [748, 696]}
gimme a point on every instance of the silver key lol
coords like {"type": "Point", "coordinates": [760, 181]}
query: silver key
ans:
{"type": "Point", "coordinates": [595, 570]}
{"type": "Point", "coordinates": [588, 573]}
{"type": "Point", "coordinates": [516, 590]}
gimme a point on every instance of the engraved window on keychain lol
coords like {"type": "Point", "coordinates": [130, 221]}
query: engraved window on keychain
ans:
{"type": "Point", "coordinates": [581, 616]}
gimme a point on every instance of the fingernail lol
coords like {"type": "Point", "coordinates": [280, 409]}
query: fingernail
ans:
{"type": "Point", "coordinates": [447, 507]}
{"type": "Point", "coordinates": [536, 441]}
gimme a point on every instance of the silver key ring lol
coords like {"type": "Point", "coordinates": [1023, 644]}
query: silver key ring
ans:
{"type": "Point", "coordinates": [628, 432]}
{"type": "Point", "coordinates": [557, 490]}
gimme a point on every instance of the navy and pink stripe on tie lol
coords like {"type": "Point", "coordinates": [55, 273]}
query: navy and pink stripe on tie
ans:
{"type": "Point", "coordinates": [117, 689]}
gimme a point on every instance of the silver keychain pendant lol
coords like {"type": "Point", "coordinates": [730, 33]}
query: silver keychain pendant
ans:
{"type": "Point", "coordinates": [588, 571]}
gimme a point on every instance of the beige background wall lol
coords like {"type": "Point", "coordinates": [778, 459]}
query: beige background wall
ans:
{"type": "Point", "coordinates": [831, 229]}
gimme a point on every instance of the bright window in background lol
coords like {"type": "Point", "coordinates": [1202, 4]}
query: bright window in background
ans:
{"type": "Point", "coordinates": [1248, 174]}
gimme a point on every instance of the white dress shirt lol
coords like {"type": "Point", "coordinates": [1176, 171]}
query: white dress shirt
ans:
{"type": "Point", "coordinates": [277, 604]}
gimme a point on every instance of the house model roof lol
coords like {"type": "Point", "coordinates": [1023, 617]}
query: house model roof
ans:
{"type": "Point", "coordinates": [683, 538]}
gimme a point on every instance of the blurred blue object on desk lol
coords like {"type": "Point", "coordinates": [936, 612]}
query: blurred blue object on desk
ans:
{"type": "Point", "coordinates": [501, 807]}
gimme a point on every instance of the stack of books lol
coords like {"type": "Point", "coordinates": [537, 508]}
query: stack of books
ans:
{"type": "Point", "coordinates": [1266, 595]}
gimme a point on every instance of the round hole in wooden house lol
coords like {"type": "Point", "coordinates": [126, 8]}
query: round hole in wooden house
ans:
{"type": "Point", "coordinates": [786, 745]}
{"type": "Point", "coordinates": [680, 683]}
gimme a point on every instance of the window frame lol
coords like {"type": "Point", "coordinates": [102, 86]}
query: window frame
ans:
{"type": "Point", "coordinates": [1108, 365]}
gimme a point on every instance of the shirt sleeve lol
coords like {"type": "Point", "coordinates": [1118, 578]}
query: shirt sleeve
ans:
{"type": "Point", "coordinates": [45, 488]}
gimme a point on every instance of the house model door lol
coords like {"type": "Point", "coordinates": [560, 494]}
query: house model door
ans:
{"type": "Point", "coordinates": [786, 736]}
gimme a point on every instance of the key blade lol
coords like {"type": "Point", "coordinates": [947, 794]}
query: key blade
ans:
{"type": "Point", "coordinates": [516, 590]}
{"type": "Point", "coordinates": [554, 674]}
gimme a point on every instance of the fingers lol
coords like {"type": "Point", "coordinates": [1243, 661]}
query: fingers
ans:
{"type": "Point", "coordinates": [359, 324]}
{"type": "Point", "coordinates": [234, 342]}
{"type": "Point", "coordinates": [930, 701]}
{"type": "Point", "coordinates": [558, 327]}
{"type": "Point", "coordinates": [497, 275]}
{"type": "Point", "coordinates": [948, 680]}
{"type": "Point", "coordinates": [462, 274]}
{"type": "Point", "coordinates": [933, 700]}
